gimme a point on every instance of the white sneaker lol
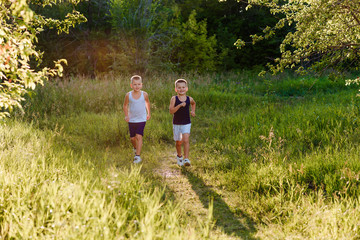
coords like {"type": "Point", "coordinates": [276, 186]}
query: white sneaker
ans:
{"type": "Point", "coordinates": [180, 161]}
{"type": "Point", "coordinates": [137, 159]}
{"type": "Point", "coordinates": [187, 162]}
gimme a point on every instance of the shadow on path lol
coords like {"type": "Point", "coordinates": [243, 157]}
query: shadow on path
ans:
{"type": "Point", "coordinates": [238, 225]}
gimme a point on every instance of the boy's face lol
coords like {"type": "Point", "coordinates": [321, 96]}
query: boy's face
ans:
{"type": "Point", "coordinates": [181, 88]}
{"type": "Point", "coordinates": [136, 85]}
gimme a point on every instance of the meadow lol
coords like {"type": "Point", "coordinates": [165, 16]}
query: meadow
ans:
{"type": "Point", "coordinates": [272, 158]}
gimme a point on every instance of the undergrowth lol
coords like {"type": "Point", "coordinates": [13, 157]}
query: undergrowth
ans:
{"type": "Point", "coordinates": [285, 146]}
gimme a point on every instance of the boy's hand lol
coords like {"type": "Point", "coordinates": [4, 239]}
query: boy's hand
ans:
{"type": "Point", "coordinates": [148, 117]}
{"type": "Point", "coordinates": [183, 104]}
{"type": "Point", "coordinates": [127, 118]}
{"type": "Point", "coordinates": [193, 113]}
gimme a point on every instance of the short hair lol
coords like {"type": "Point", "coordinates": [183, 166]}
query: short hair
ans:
{"type": "Point", "coordinates": [135, 77]}
{"type": "Point", "coordinates": [180, 81]}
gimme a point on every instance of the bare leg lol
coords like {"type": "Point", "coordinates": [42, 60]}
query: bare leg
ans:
{"type": "Point", "coordinates": [139, 143]}
{"type": "Point", "coordinates": [133, 141]}
{"type": "Point", "coordinates": [185, 139]}
{"type": "Point", "coordinates": [178, 148]}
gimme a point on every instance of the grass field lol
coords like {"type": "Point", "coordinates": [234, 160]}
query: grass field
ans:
{"type": "Point", "coordinates": [272, 158]}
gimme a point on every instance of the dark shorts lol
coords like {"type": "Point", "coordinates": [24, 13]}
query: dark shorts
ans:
{"type": "Point", "coordinates": [136, 128]}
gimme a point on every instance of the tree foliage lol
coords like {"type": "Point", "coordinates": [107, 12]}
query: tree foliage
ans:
{"type": "Point", "coordinates": [135, 23]}
{"type": "Point", "coordinates": [229, 20]}
{"type": "Point", "coordinates": [326, 33]}
{"type": "Point", "coordinates": [19, 26]}
{"type": "Point", "coordinates": [148, 35]}
{"type": "Point", "coordinates": [151, 36]}
{"type": "Point", "coordinates": [194, 50]}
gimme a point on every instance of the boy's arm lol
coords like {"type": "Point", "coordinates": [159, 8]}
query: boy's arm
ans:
{"type": "Point", "coordinates": [125, 107]}
{"type": "Point", "coordinates": [172, 108]}
{"type": "Point", "coordinates": [147, 105]}
{"type": "Point", "coordinates": [193, 106]}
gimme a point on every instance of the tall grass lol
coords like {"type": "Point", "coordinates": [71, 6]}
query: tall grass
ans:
{"type": "Point", "coordinates": [50, 191]}
{"type": "Point", "coordinates": [286, 147]}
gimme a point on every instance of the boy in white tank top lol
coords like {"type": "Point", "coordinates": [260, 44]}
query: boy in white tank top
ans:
{"type": "Point", "coordinates": [137, 112]}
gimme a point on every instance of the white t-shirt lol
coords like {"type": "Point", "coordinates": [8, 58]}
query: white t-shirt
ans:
{"type": "Point", "coordinates": [137, 109]}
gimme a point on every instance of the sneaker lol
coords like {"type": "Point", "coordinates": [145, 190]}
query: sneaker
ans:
{"type": "Point", "coordinates": [180, 161]}
{"type": "Point", "coordinates": [137, 159]}
{"type": "Point", "coordinates": [187, 162]}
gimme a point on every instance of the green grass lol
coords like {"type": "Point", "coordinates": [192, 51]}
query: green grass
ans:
{"type": "Point", "coordinates": [52, 191]}
{"type": "Point", "coordinates": [278, 156]}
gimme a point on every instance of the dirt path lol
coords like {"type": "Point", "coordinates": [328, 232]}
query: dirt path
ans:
{"type": "Point", "coordinates": [195, 195]}
{"type": "Point", "coordinates": [179, 184]}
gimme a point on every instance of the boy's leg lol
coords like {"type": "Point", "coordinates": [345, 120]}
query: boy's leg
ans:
{"type": "Point", "coordinates": [133, 141]}
{"type": "Point", "coordinates": [132, 130]}
{"type": "Point", "coordinates": [139, 132]}
{"type": "Point", "coordinates": [185, 140]}
{"type": "Point", "coordinates": [178, 148]}
{"type": "Point", "coordinates": [139, 143]}
{"type": "Point", "coordinates": [177, 138]}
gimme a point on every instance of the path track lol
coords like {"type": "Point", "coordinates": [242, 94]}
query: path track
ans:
{"type": "Point", "coordinates": [194, 195]}
{"type": "Point", "coordinates": [179, 184]}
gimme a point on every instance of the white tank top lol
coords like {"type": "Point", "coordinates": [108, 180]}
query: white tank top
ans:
{"type": "Point", "coordinates": [137, 109]}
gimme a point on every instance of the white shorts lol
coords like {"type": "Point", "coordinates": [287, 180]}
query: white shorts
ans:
{"type": "Point", "coordinates": [179, 130]}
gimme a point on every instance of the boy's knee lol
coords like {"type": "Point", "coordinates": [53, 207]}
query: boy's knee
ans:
{"type": "Point", "coordinates": [138, 136]}
{"type": "Point", "coordinates": [186, 138]}
{"type": "Point", "coordinates": [178, 143]}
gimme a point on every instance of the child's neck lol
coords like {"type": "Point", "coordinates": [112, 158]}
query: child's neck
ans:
{"type": "Point", "coordinates": [182, 97]}
{"type": "Point", "coordinates": [136, 94]}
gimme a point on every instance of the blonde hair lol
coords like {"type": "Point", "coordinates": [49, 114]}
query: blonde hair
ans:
{"type": "Point", "coordinates": [135, 77]}
{"type": "Point", "coordinates": [180, 81]}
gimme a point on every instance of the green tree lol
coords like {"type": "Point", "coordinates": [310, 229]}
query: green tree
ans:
{"type": "Point", "coordinates": [151, 36]}
{"type": "Point", "coordinates": [194, 49]}
{"type": "Point", "coordinates": [134, 23]}
{"type": "Point", "coordinates": [326, 33]}
{"type": "Point", "coordinates": [228, 20]}
{"type": "Point", "coordinates": [19, 26]}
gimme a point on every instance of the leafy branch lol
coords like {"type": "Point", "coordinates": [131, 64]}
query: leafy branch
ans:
{"type": "Point", "coordinates": [19, 26]}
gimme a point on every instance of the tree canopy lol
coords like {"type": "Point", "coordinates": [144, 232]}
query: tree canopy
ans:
{"type": "Point", "coordinates": [19, 26]}
{"type": "Point", "coordinates": [325, 33]}
{"type": "Point", "coordinates": [170, 35]}
{"type": "Point", "coordinates": [148, 36]}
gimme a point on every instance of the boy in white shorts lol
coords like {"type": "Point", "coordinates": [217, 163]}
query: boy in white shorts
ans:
{"type": "Point", "coordinates": [180, 108]}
